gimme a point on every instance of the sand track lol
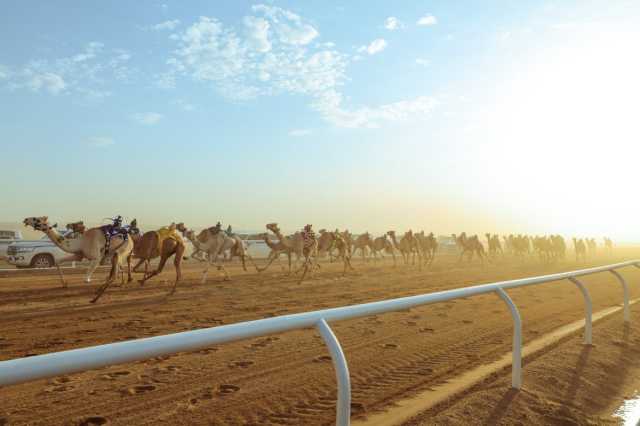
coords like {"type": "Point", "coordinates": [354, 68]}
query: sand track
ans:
{"type": "Point", "coordinates": [283, 379]}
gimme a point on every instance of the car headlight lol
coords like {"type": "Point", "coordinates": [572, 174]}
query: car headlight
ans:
{"type": "Point", "coordinates": [24, 249]}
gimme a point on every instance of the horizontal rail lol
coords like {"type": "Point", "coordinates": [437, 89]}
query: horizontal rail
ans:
{"type": "Point", "coordinates": [58, 363]}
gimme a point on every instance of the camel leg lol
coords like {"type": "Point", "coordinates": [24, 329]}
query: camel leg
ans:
{"type": "Point", "coordinates": [115, 261]}
{"type": "Point", "coordinates": [272, 256]}
{"type": "Point", "coordinates": [129, 276]}
{"type": "Point", "coordinates": [163, 261]}
{"type": "Point", "coordinates": [206, 269]}
{"type": "Point", "coordinates": [93, 265]}
{"type": "Point", "coordinates": [140, 261]}
{"type": "Point", "coordinates": [64, 283]}
{"type": "Point", "coordinates": [306, 269]}
{"type": "Point", "coordinates": [177, 263]}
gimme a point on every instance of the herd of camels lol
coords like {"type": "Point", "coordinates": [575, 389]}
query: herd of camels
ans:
{"type": "Point", "coordinates": [415, 248]}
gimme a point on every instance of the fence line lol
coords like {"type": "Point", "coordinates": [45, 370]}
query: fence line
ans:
{"type": "Point", "coordinates": [77, 360]}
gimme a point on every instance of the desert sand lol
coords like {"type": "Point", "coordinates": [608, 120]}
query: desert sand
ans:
{"type": "Point", "coordinates": [288, 378]}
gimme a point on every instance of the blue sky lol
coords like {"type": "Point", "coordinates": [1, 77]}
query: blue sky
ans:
{"type": "Point", "coordinates": [365, 115]}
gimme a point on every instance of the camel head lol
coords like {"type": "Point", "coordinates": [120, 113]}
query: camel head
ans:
{"type": "Point", "coordinates": [38, 223]}
{"type": "Point", "coordinates": [190, 234]}
{"type": "Point", "coordinates": [273, 227]}
{"type": "Point", "coordinates": [181, 228]}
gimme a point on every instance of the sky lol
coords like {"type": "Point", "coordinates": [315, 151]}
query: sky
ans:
{"type": "Point", "coordinates": [484, 116]}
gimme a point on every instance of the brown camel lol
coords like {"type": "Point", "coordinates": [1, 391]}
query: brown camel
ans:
{"type": "Point", "coordinates": [381, 245]}
{"type": "Point", "coordinates": [407, 246]}
{"type": "Point", "coordinates": [362, 243]}
{"type": "Point", "coordinates": [470, 246]}
{"type": "Point", "coordinates": [163, 243]}
{"type": "Point", "coordinates": [428, 246]}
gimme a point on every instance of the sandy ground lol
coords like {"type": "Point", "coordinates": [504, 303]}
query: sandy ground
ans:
{"type": "Point", "coordinates": [288, 378]}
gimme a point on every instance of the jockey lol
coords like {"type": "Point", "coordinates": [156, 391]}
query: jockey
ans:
{"type": "Point", "coordinates": [308, 236]}
{"type": "Point", "coordinates": [113, 230]}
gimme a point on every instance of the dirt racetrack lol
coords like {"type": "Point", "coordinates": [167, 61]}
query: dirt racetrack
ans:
{"type": "Point", "coordinates": [280, 379]}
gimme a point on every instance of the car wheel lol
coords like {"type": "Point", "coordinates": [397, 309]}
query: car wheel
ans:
{"type": "Point", "coordinates": [42, 261]}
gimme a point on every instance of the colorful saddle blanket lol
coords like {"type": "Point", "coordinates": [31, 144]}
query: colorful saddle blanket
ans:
{"type": "Point", "coordinates": [168, 233]}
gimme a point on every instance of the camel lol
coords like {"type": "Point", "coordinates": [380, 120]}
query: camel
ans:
{"type": "Point", "coordinates": [469, 245]}
{"type": "Point", "coordinates": [580, 248]}
{"type": "Point", "coordinates": [87, 245]}
{"type": "Point", "coordinates": [362, 242]}
{"type": "Point", "coordinates": [302, 247]}
{"type": "Point", "coordinates": [215, 242]}
{"type": "Point", "coordinates": [407, 246]}
{"type": "Point", "coordinates": [381, 245]}
{"type": "Point", "coordinates": [343, 250]}
{"type": "Point", "coordinates": [608, 245]}
{"type": "Point", "coordinates": [493, 242]}
{"type": "Point", "coordinates": [428, 246]}
{"type": "Point", "coordinates": [163, 243]}
{"type": "Point", "coordinates": [325, 243]}
{"type": "Point", "coordinates": [277, 248]}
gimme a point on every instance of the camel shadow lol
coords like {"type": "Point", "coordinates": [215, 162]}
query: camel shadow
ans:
{"type": "Point", "coordinates": [501, 408]}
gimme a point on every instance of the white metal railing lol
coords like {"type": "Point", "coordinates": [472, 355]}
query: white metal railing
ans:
{"type": "Point", "coordinates": [58, 363]}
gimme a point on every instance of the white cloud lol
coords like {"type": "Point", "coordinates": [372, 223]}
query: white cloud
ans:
{"type": "Point", "coordinates": [271, 53]}
{"type": "Point", "coordinates": [423, 62]}
{"type": "Point", "coordinates": [392, 23]}
{"type": "Point", "coordinates": [376, 46]}
{"type": "Point", "coordinates": [4, 73]}
{"type": "Point", "coordinates": [427, 20]}
{"type": "Point", "coordinates": [52, 83]}
{"type": "Point", "coordinates": [84, 73]}
{"type": "Point", "coordinates": [100, 141]}
{"type": "Point", "coordinates": [299, 132]}
{"type": "Point", "coordinates": [147, 118]}
{"type": "Point", "coordinates": [258, 33]}
{"type": "Point", "coordinates": [166, 25]}
{"type": "Point", "coordinates": [289, 27]}
{"type": "Point", "coordinates": [330, 106]}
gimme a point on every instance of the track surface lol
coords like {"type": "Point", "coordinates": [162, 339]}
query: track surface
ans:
{"type": "Point", "coordinates": [283, 379]}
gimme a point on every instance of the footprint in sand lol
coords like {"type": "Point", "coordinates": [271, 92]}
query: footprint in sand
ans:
{"type": "Point", "coordinates": [115, 375]}
{"type": "Point", "coordinates": [389, 346]}
{"type": "Point", "coordinates": [411, 323]}
{"type": "Point", "coordinates": [207, 351]}
{"type": "Point", "coordinates": [227, 389]}
{"type": "Point", "coordinates": [322, 358]}
{"type": "Point", "coordinates": [93, 421]}
{"type": "Point", "coordinates": [60, 380]}
{"type": "Point", "coordinates": [467, 322]}
{"type": "Point", "coordinates": [140, 389]}
{"type": "Point", "coordinates": [426, 330]}
{"type": "Point", "coordinates": [241, 364]}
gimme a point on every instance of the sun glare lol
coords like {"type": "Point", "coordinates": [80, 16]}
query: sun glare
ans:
{"type": "Point", "coordinates": [564, 136]}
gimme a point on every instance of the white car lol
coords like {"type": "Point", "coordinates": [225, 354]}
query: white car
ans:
{"type": "Point", "coordinates": [7, 238]}
{"type": "Point", "coordinates": [42, 253]}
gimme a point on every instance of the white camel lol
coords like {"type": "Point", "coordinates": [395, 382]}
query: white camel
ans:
{"type": "Point", "coordinates": [88, 245]}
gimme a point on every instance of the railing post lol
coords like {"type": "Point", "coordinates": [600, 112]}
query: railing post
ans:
{"type": "Point", "coordinates": [625, 287]}
{"type": "Point", "coordinates": [516, 368]}
{"type": "Point", "coordinates": [588, 310]}
{"type": "Point", "coordinates": [343, 407]}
